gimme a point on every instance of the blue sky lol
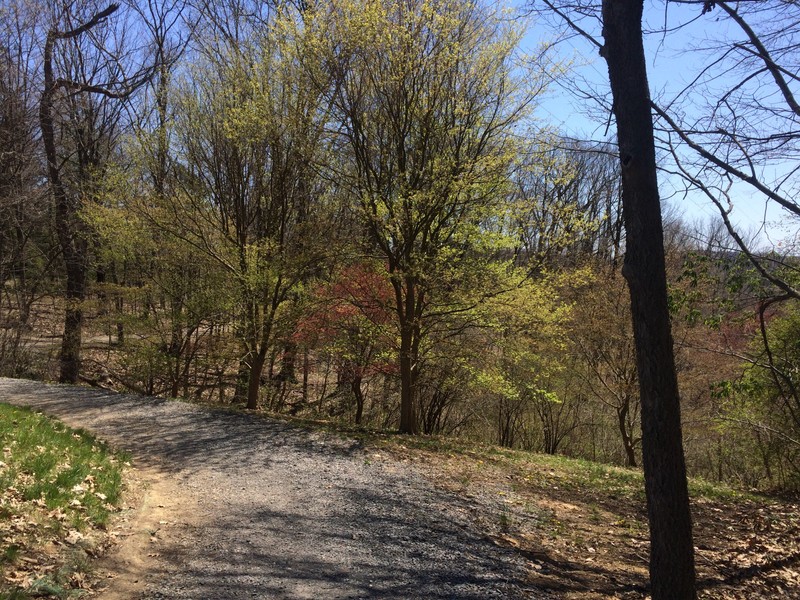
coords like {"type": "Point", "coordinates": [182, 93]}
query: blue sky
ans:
{"type": "Point", "coordinates": [672, 62]}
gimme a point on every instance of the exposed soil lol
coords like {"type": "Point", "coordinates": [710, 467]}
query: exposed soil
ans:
{"type": "Point", "coordinates": [157, 511]}
{"type": "Point", "coordinates": [238, 506]}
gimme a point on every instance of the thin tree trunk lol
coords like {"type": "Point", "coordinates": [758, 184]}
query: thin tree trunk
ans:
{"type": "Point", "coordinates": [119, 305]}
{"type": "Point", "coordinates": [627, 437]}
{"type": "Point", "coordinates": [358, 393]}
{"type": "Point", "coordinates": [287, 372]}
{"type": "Point", "coordinates": [672, 572]}
{"type": "Point", "coordinates": [305, 376]}
{"type": "Point", "coordinates": [176, 348]}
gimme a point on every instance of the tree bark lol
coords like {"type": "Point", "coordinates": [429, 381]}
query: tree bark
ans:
{"type": "Point", "coordinates": [73, 246]}
{"type": "Point", "coordinates": [254, 381]}
{"type": "Point", "coordinates": [358, 394]}
{"type": "Point", "coordinates": [672, 572]}
{"type": "Point", "coordinates": [70, 356]}
{"type": "Point", "coordinates": [69, 225]}
{"type": "Point", "coordinates": [408, 301]}
{"type": "Point", "coordinates": [243, 377]}
{"type": "Point", "coordinates": [627, 436]}
{"type": "Point", "coordinates": [408, 423]}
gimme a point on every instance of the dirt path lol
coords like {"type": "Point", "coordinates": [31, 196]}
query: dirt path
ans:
{"type": "Point", "coordinates": [242, 507]}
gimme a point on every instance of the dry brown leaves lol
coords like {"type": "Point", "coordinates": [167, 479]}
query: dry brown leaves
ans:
{"type": "Point", "coordinates": [587, 544]}
{"type": "Point", "coordinates": [40, 544]}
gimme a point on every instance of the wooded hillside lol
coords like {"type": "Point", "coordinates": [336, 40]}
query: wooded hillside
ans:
{"type": "Point", "coordinates": [347, 211]}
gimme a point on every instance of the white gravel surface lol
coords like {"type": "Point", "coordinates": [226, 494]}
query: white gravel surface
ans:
{"type": "Point", "coordinates": [279, 512]}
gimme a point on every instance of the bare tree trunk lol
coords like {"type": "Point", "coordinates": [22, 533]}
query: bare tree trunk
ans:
{"type": "Point", "coordinates": [408, 300]}
{"type": "Point", "coordinates": [358, 393]}
{"type": "Point", "coordinates": [73, 247]}
{"type": "Point", "coordinates": [69, 225]}
{"type": "Point", "coordinates": [672, 572]}
{"type": "Point", "coordinates": [407, 424]}
{"type": "Point", "coordinates": [306, 369]}
{"type": "Point", "coordinates": [70, 356]}
{"type": "Point", "coordinates": [627, 436]}
{"type": "Point", "coordinates": [119, 306]}
{"type": "Point", "coordinates": [254, 382]}
{"type": "Point", "coordinates": [242, 377]}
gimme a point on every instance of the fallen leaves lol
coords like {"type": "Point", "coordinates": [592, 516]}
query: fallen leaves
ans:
{"type": "Point", "coordinates": [78, 580]}
{"type": "Point", "coordinates": [585, 537]}
{"type": "Point", "coordinates": [51, 512]}
{"type": "Point", "coordinates": [73, 537]}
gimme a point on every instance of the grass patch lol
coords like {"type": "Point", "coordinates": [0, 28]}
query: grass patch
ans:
{"type": "Point", "coordinates": [57, 485]}
{"type": "Point", "coordinates": [542, 470]}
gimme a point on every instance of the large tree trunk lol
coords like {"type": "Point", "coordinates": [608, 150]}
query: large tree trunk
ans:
{"type": "Point", "coordinates": [672, 573]}
{"type": "Point", "coordinates": [248, 377]}
{"type": "Point", "coordinates": [251, 365]}
{"type": "Point", "coordinates": [408, 424]}
{"type": "Point", "coordinates": [69, 224]}
{"type": "Point", "coordinates": [408, 308]}
{"type": "Point", "coordinates": [70, 357]}
{"type": "Point", "coordinates": [254, 382]}
{"type": "Point", "coordinates": [73, 247]}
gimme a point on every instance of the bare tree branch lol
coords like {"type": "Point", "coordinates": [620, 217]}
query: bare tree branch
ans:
{"type": "Point", "coordinates": [789, 205]}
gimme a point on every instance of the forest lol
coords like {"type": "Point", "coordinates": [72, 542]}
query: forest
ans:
{"type": "Point", "coordinates": [352, 210]}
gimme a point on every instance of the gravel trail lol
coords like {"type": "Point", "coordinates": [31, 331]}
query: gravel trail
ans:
{"type": "Point", "coordinates": [255, 508]}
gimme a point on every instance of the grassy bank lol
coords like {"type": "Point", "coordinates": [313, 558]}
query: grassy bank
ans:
{"type": "Point", "coordinates": [58, 488]}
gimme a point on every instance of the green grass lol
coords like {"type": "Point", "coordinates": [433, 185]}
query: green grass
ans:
{"type": "Point", "coordinates": [546, 470]}
{"type": "Point", "coordinates": [537, 470]}
{"type": "Point", "coordinates": [53, 480]}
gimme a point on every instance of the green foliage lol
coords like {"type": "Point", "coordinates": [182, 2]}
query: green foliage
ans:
{"type": "Point", "coordinates": [760, 410]}
{"type": "Point", "coordinates": [562, 200]}
{"type": "Point", "coordinates": [710, 288]}
{"type": "Point", "coordinates": [360, 176]}
{"type": "Point", "coordinates": [505, 357]}
{"type": "Point", "coordinates": [182, 294]}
